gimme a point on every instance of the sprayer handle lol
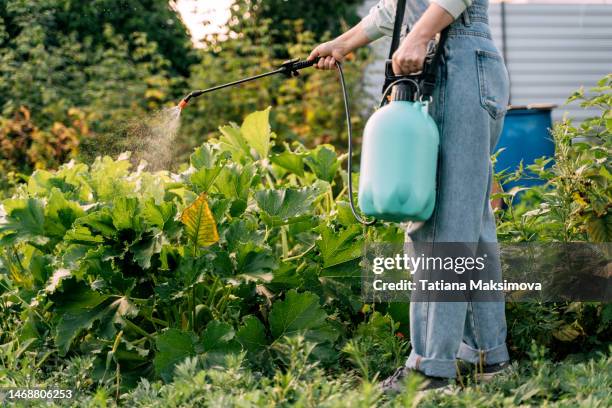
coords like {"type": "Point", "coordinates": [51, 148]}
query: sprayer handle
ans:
{"type": "Point", "coordinates": [291, 67]}
{"type": "Point", "coordinates": [305, 64]}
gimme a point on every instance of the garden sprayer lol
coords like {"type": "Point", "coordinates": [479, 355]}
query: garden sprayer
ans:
{"type": "Point", "coordinates": [400, 144]}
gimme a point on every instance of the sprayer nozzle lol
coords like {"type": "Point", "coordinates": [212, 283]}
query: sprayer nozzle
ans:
{"type": "Point", "coordinates": [182, 103]}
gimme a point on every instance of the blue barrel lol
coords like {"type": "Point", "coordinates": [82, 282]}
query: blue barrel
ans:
{"type": "Point", "coordinates": [525, 137]}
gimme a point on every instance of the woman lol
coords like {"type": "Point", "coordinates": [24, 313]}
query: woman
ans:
{"type": "Point", "coordinates": [469, 103]}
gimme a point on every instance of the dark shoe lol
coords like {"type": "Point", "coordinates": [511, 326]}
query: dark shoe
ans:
{"type": "Point", "coordinates": [395, 383]}
{"type": "Point", "coordinates": [482, 373]}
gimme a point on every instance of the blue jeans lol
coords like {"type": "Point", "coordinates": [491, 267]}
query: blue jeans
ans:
{"type": "Point", "coordinates": [469, 104]}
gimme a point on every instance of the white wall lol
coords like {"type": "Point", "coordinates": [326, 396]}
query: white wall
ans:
{"type": "Point", "coordinates": [552, 49]}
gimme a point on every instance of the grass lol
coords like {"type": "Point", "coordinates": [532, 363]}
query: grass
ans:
{"type": "Point", "coordinates": [538, 381]}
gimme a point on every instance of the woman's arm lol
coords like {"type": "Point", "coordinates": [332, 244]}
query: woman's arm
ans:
{"type": "Point", "coordinates": [340, 47]}
{"type": "Point", "coordinates": [410, 55]}
{"type": "Point", "coordinates": [379, 22]}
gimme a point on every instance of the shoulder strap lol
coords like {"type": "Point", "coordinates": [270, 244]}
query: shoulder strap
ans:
{"type": "Point", "coordinates": [397, 26]}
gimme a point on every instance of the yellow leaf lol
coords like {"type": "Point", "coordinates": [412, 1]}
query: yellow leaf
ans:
{"type": "Point", "coordinates": [578, 198]}
{"type": "Point", "coordinates": [567, 332]}
{"type": "Point", "coordinates": [200, 223]}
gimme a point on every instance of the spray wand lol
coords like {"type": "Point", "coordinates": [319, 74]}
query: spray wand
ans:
{"type": "Point", "coordinates": [290, 69]}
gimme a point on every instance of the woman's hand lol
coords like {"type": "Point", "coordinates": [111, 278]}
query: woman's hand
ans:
{"type": "Point", "coordinates": [329, 52]}
{"type": "Point", "coordinates": [410, 56]}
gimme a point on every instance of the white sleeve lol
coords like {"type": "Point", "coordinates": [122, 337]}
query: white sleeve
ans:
{"type": "Point", "coordinates": [380, 19]}
{"type": "Point", "coordinates": [454, 7]}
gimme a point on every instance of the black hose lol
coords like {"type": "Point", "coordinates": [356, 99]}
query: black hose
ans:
{"type": "Point", "coordinates": [349, 129]}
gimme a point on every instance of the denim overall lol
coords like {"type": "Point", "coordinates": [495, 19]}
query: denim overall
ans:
{"type": "Point", "coordinates": [469, 104]}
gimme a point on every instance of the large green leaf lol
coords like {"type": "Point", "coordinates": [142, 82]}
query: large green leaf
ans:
{"type": "Point", "coordinates": [289, 161]}
{"type": "Point", "coordinates": [283, 204]}
{"type": "Point", "coordinates": [39, 183]}
{"type": "Point", "coordinates": [252, 334]}
{"type": "Point", "coordinates": [24, 221]}
{"type": "Point", "coordinates": [204, 156]}
{"type": "Point", "coordinates": [144, 250]}
{"type": "Point", "coordinates": [253, 260]}
{"type": "Point", "coordinates": [99, 222]}
{"type": "Point", "coordinates": [218, 340]}
{"type": "Point", "coordinates": [173, 346]}
{"type": "Point", "coordinates": [218, 336]}
{"type": "Point", "coordinates": [80, 308]}
{"type": "Point", "coordinates": [243, 231]}
{"type": "Point", "coordinates": [233, 142]}
{"type": "Point", "coordinates": [108, 177]}
{"type": "Point", "coordinates": [300, 313]}
{"type": "Point", "coordinates": [160, 215]}
{"type": "Point", "coordinates": [234, 182]}
{"type": "Point", "coordinates": [256, 131]}
{"type": "Point", "coordinates": [82, 235]}
{"type": "Point", "coordinates": [125, 213]}
{"type": "Point", "coordinates": [60, 214]}
{"type": "Point", "coordinates": [204, 178]}
{"type": "Point", "coordinates": [323, 161]}
{"type": "Point", "coordinates": [341, 246]}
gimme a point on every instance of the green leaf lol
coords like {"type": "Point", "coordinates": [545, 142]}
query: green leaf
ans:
{"type": "Point", "coordinates": [252, 334]}
{"type": "Point", "coordinates": [254, 260]}
{"type": "Point", "coordinates": [125, 213]}
{"type": "Point", "coordinates": [323, 161]}
{"type": "Point", "coordinates": [199, 223]}
{"type": "Point", "coordinates": [218, 340]}
{"type": "Point", "coordinates": [256, 132]}
{"type": "Point", "coordinates": [345, 214]}
{"type": "Point", "coordinates": [109, 177]}
{"type": "Point", "coordinates": [242, 232]}
{"type": "Point", "coordinates": [289, 161]}
{"type": "Point", "coordinates": [204, 156]}
{"type": "Point", "coordinates": [284, 204]}
{"type": "Point", "coordinates": [25, 219]}
{"type": "Point", "coordinates": [99, 222]}
{"type": "Point", "coordinates": [144, 250]}
{"type": "Point", "coordinates": [159, 215]}
{"type": "Point", "coordinates": [173, 346]}
{"type": "Point", "coordinates": [80, 309]}
{"type": "Point", "coordinates": [234, 182]}
{"type": "Point", "coordinates": [233, 142]}
{"type": "Point", "coordinates": [39, 182]}
{"type": "Point", "coordinates": [300, 313]}
{"type": "Point", "coordinates": [340, 246]}
{"type": "Point", "coordinates": [60, 214]}
{"type": "Point", "coordinates": [217, 336]}
{"type": "Point", "coordinates": [204, 178]}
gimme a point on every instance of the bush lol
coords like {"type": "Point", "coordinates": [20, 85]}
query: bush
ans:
{"type": "Point", "coordinates": [25, 147]}
{"type": "Point", "coordinates": [142, 270]}
{"type": "Point", "coordinates": [573, 205]}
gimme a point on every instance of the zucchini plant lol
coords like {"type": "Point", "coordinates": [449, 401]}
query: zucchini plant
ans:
{"type": "Point", "coordinates": [252, 243]}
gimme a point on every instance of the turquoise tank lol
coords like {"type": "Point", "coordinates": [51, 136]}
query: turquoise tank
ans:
{"type": "Point", "coordinates": [399, 158]}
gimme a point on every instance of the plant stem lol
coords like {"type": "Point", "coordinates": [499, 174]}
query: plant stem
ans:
{"type": "Point", "coordinates": [284, 243]}
{"type": "Point", "coordinates": [293, 258]}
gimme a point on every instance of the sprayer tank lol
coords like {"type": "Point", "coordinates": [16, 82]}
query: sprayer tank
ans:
{"type": "Point", "coordinates": [398, 163]}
